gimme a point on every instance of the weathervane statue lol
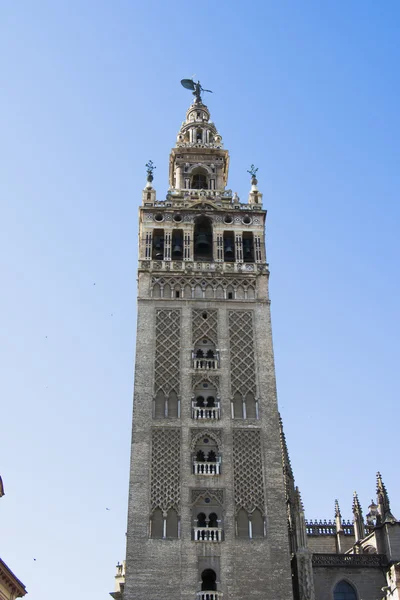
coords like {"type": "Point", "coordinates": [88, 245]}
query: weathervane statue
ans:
{"type": "Point", "coordinates": [189, 84]}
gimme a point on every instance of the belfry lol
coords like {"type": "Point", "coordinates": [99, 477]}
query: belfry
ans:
{"type": "Point", "coordinates": [206, 504]}
{"type": "Point", "coordinates": [213, 511]}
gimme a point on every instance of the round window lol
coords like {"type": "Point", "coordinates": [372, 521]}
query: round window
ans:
{"type": "Point", "coordinates": [207, 500]}
{"type": "Point", "coordinates": [205, 440]}
{"type": "Point", "coordinates": [158, 217]}
{"type": "Point", "coordinates": [228, 219]}
{"type": "Point", "coordinates": [178, 218]}
{"type": "Point", "coordinates": [246, 220]}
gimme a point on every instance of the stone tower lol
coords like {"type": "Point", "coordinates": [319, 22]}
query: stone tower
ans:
{"type": "Point", "coordinates": [207, 509]}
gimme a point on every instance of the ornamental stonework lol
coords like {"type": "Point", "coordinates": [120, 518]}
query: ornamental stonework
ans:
{"type": "Point", "coordinates": [167, 359]}
{"type": "Point", "coordinates": [248, 470]}
{"type": "Point", "coordinates": [165, 468]}
{"type": "Point", "coordinates": [241, 336]}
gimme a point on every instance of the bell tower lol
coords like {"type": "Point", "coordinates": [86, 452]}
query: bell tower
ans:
{"type": "Point", "coordinates": [207, 515]}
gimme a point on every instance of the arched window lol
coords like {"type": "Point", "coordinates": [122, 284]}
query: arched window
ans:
{"type": "Point", "coordinates": [344, 591]}
{"type": "Point", "coordinates": [199, 182]}
{"type": "Point", "coordinates": [251, 412]}
{"type": "Point", "coordinates": [172, 523]}
{"type": "Point", "coordinates": [257, 524]}
{"type": "Point", "coordinates": [159, 408]}
{"type": "Point", "coordinates": [201, 520]}
{"type": "Point", "coordinates": [242, 524]}
{"type": "Point", "coordinates": [200, 401]}
{"type": "Point", "coordinates": [208, 581]}
{"type": "Point", "coordinates": [210, 402]}
{"type": "Point", "coordinates": [237, 406]}
{"type": "Point", "coordinates": [200, 456]}
{"type": "Point", "coordinates": [211, 456]}
{"type": "Point", "coordinates": [157, 524]}
{"type": "Point", "coordinates": [203, 239]}
{"type": "Point", "coordinates": [213, 520]}
{"type": "Point", "coordinates": [173, 405]}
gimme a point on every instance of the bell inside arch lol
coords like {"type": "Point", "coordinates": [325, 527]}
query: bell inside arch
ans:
{"type": "Point", "coordinates": [203, 239]}
{"type": "Point", "coordinates": [202, 242]}
{"type": "Point", "coordinates": [229, 247]}
{"type": "Point", "coordinates": [158, 246]}
{"type": "Point", "coordinates": [177, 243]}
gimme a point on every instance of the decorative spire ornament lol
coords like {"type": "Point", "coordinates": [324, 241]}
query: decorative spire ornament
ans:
{"type": "Point", "coordinates": [383, 515]}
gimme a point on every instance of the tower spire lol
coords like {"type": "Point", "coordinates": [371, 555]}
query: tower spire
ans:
{"type": "Point", "coordinates": [359, 528]}
{"type": "Point", "coordinates": [384, 515]}
{"type": "Point", "coordinates": [338, 517]}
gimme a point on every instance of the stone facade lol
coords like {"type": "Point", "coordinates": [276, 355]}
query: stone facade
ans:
{"type": "Point", "coordinates": [213, 509]}
{"type": "Point", "coordinates": [206, 503]}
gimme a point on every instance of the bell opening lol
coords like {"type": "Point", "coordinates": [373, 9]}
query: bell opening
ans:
{"type": "Point", "coordinates": [203, 239]}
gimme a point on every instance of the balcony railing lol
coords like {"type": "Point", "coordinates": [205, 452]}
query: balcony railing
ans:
{"type": "Point", "coordinates": [206, 468]}
{"type": "Point", "coordinates": [209, 595]}
{"type": "Point", "coordinates": [206, 412]}
{"type": "Point", "coordinates": [205, 364]}
{"type": "Point", "coordinates": [207, 534]}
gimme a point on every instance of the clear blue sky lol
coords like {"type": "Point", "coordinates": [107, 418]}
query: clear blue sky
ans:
{"type": "Point", "coordinates": [309, 92]}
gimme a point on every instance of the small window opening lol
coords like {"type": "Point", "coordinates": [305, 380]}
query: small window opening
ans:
{"type": "Point", "coordinates": [177, 294]}
{"type": "Point", "coordinates": [230, 296]}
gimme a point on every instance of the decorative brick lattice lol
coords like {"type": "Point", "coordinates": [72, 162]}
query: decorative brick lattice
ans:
{"type": "Point", "coordinates": [165, 468]}
{"type": "Point", "coordinates": [199, 494]}
{"type": "Point", "coordinates": [247, 470]}
{"type": "Point", "coordinates": [241, 333]}
{"type": "Point", "coordinates": [205, 327]}
{"type": "Point", "coordinates": [167, 361]}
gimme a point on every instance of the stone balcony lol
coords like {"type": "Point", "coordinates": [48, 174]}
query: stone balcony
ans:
{"type": "Point", "coordinates": [206, 412]}
{"type": "Point", "coordinates": [207, 534]}
{"type": "Point", "coordinates": [206, 468]}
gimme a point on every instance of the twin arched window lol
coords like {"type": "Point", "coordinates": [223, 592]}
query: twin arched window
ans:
{"type": "Point", "coordinates": [164, 527]}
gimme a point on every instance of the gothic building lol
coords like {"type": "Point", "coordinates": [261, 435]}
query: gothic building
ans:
{"type": "Point", "coordinates": [213, 510]}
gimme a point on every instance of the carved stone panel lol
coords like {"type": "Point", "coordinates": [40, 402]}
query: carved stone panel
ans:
{"type": "Point", "coordinates": [241, 335]}
{"type": "Point", "coordinates": [165, 468]}
{"type": "Point", "coordinates": [205, 324]}
{"type": "Point", "coordinates": [247, 470]}
{"type": "Point", "coordinates": [167, 359]}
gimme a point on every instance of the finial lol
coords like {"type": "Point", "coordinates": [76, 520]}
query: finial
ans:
{"type": "Point", "coordinates": [384, 514]}
{"type": "Point", "coordinates": [253, 172]}
{"type": "Point", "coordinates": [359, 529]}
{"type": "Point", "coordinates": [356, 505]}
{"type": "Point", "coordinates": [150, 168]}
{"type": "Point", "coordinates": [338, 518]}
{"type": "Point", "coordinates": [299, 501]}
{"type": "Point", "coordinates": [189, 84]}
